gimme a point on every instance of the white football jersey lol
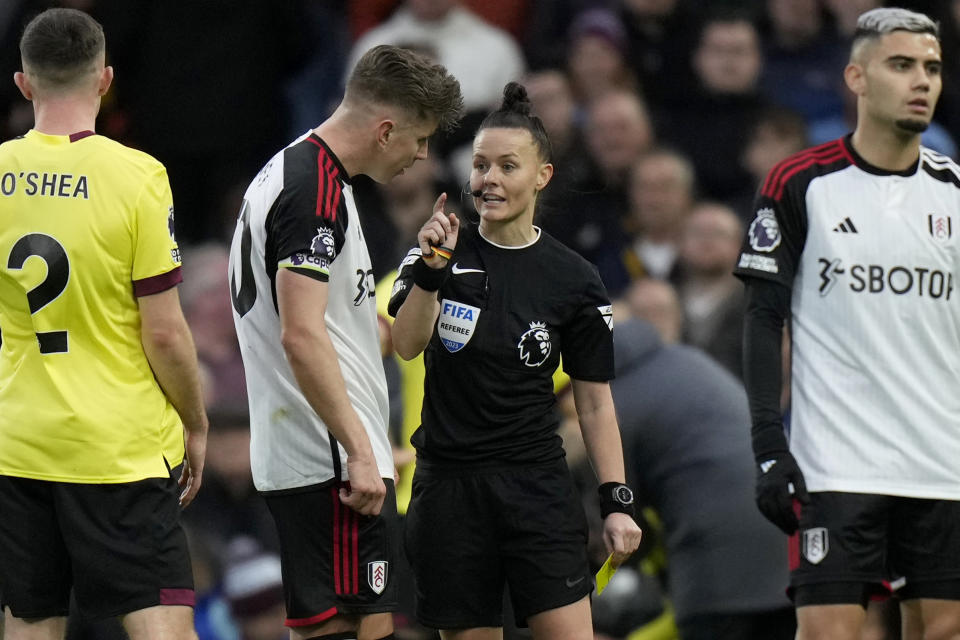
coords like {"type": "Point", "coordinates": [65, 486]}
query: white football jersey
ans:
{"type": "Point", "coordinates": [872, 259]}
{"type": "Point", "coordinates": [299, 214]}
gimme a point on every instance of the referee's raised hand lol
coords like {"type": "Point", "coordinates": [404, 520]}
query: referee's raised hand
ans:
{"type": "Point", "coordinates": [440, 232]}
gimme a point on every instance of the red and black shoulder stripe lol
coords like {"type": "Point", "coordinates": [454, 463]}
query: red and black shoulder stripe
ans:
{"type": "Point", "coordinates": [824, 158]}
{"type": "Point", "coordinates": [329, 173]}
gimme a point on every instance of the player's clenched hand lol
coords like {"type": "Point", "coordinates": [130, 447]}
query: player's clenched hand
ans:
{"type": "Point", "coordinates": [441, 230]}
{"type": "Point", "coordinates": [366, 491]}
{"type": "Point", "coordinates": [779, 483]}
{"type": "Point", "coordinates": [621, 536]}
{"type": "Point", "coordinates": [195, 444]}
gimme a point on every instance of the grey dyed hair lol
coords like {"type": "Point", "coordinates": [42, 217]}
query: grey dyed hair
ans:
{"type": "Point", "coordinates": [879, 22]}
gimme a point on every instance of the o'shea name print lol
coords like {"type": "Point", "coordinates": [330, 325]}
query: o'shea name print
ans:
{"type": "Point", "coordinates": [44, 184]}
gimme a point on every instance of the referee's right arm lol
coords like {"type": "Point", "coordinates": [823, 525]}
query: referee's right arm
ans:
{"type": "Point", "coordinates": [419, 309]}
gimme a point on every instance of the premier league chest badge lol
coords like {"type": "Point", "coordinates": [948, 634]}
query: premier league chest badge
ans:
{"type": "Point", "coordinates": [456, 324]}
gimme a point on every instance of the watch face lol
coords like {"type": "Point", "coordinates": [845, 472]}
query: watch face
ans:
{"type": "Point", "coordinates": [623, 495]}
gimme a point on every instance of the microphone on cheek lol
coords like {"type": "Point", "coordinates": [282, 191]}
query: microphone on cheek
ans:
{"type": "Point", "coordinates": [470, 192]}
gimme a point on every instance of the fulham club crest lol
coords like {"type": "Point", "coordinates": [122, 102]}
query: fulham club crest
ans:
{"type": "Point", "coordinates": [816, 544]}
{"type": "Point", "coordinates": [940, 227]}
{"type": "Point", "coordinates": [377, 575]}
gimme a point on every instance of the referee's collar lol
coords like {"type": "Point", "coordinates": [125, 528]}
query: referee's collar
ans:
{"type": "Point", "coordinates": [877, 171]}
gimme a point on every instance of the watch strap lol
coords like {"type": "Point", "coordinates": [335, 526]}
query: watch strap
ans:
{"type": "Point", "coordinates": [615, 497]}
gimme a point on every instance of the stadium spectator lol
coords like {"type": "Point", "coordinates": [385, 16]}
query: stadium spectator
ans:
{"type": "Point", "coordinates": [316, 87]}
{"type": "Point", "coordinates": [212, 619]}
{"type": "Point", "coordinates": [13, 14]}
{"type": "Point", "coordinates": [551, 94]}
{"type": "Point", "coordinates": [867, 484]}
{"type": "Point", "coordinates": [711, 127]}
{"type": "Point", "coordinates": [653, 301]}
{"type": "Point", "coordinates": [801, 57]}
{"type": "Point", "coordinates": [552, 100]}
{"type": "Point", "coordinates": [618, 131]}
{"type": "Point", "coordinates": [545, 42]}
{"type": "Point", "coordinates": [660, 35]}
{"type": "Point", "coordinates": [253, 587]}
{"type": "Point", "coordinates": [393, 212]}
{"type": "Point", "coordinates": [846, 13]}
{"type": "Point", "coordinates": [96, 358]}
{"type": "Point", "coordinates": [509, 15]}
{"type": "Point", "coordinates": [684, 421]}
{"type": "Point", "coordinates": [948, 113]}
{"type": "Point", "coordinates": [311, 343]}
{"type": "Point", "coordinates": [777, 134]}
{"type": "Point", "coordinates": [712, 298]}
{"type": "Point", "coordinates": [661, 192]}
{"type": "Point", "coordinates": [229, 505]}
{"type": "Point", "coordinates": [208, 310]}
{"type": "Point", "coordinates": [211, 128]}
{"type": "Point", "coordinates": [493, 501]}
{"type": "Point", "coordinates": [597, 56]}
{"type": "Point", "coordinates": [457, 36]}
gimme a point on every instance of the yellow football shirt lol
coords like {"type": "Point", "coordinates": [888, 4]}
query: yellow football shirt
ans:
{"type": "Point", "coordinates": [86, 225]}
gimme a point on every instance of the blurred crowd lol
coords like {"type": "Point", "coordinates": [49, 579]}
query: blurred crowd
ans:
{"type": "Point", "coordinates": [664, 116]}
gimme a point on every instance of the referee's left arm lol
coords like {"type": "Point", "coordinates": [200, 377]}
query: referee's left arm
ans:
{"type": "Point", "coordinates": [598, 424]}
{"type": "Point", "coordinates": [601, 436]}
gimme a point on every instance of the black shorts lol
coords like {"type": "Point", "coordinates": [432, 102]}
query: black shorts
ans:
{"type": "Point", "coordinates": [467, 533]}
{"type": "Point", "coordinates": [119, 546]}
{"type": "Point", "coordinates": [850, 546]}
{"type": "Point", "coordinates": [334, 560]}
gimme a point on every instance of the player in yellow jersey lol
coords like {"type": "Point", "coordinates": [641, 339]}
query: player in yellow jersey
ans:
{"type": "Point", "coordinates": [98, 373]}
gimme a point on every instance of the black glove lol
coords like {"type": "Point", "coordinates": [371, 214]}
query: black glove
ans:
{"type": "Point", "coordinates": [779, 483]}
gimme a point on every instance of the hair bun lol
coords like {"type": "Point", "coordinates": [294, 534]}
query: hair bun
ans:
{"type": "Point", "coordinates": [515, 99]}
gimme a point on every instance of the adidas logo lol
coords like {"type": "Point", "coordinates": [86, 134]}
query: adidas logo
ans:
{"type": "Point", "coordinates": [845, 227]}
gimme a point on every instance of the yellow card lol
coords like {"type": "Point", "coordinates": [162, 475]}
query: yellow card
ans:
{"type": "Point", "coordinates": [605, 573]}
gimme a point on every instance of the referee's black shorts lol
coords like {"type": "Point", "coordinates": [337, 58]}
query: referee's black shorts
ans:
{"type": "Point", "coordinates": [469, 532]}
{"type": "Point", "coordinates": [119, 546]}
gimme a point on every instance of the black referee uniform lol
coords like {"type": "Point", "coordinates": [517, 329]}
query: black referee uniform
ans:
{"type": "Point", "coordinates": [492, 497]}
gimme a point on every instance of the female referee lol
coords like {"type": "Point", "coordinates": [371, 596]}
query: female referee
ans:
{"type": "Point", "coordinates": [493, 307]}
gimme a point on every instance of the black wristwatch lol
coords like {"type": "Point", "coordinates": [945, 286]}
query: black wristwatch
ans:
{"type": "Point", "coordinates": [615, 497]}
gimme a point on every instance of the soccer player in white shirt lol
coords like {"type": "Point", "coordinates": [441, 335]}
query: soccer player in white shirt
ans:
{"type": "Point", "coordinates": [853, 243]}
{"type": "Point", "coordinates": [303, 298]}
